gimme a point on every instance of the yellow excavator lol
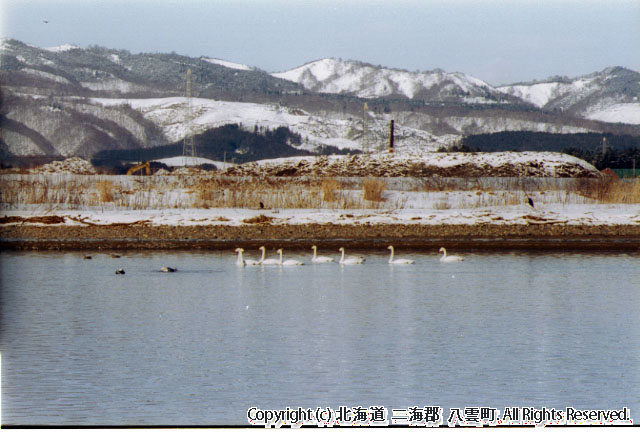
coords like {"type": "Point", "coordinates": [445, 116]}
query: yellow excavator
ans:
{"type": "Point", "coordinates": [144, 169]}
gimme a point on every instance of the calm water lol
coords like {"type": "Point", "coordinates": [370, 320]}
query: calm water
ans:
{"type": "Point", "coordinates": [81, 345]}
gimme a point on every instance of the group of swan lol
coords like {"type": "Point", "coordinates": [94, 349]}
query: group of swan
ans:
{"type": "Point", "coordinates": [344, 260]}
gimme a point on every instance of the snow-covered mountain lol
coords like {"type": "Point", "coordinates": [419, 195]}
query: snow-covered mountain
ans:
{"type": "Point", "coordinates": [72, 101]}
{"type": "Point", "coordinates": [368, 81]}
{"type": "Point", "coordinates": [611, 95]}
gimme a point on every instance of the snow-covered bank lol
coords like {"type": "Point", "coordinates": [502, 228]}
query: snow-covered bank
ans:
{"type": "Point", "coordinates": [585, 214]}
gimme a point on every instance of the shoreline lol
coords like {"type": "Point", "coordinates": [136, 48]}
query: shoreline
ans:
{"type": "Point", "coordinates": [326, 235]}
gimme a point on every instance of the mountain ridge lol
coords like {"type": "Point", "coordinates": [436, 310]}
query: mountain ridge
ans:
{"type": "Point", "coordinates": [72, 101]}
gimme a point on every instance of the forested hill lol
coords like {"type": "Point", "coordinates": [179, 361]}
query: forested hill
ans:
{"type": "Point", "coordinates": [227, 143]}
{"type": "Point", "coordinates": [602, 150]}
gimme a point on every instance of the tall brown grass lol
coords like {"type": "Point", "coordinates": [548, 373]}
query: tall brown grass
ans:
{"type": "Point", "coordinates": [374, 189]}
{"type": "Point", "coordinates": [105, 190]}
{"type": "Point", "coordinates": [611, 190]}
{"type": "Point", "coordinates": [330, 188]}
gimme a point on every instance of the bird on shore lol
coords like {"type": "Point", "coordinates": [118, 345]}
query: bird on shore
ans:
{"type": "Point", "coordinates": [319, 259]}
{"type": "Point", "coordinates": [452, 258]}
{"type": "Point", "coordinates": [288, 262]}
{"type": "Point", "coordinates": [350, 259]}
{"type": "Point", "coordinates": [399, 261]}
{"type": "Point", "coordinates": [530, 201]}
{"type": "Point", "coordinates": [168, 270]}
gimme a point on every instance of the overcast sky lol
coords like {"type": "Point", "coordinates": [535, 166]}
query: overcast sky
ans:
{"type": "Point", "coordinates": [497, 41]}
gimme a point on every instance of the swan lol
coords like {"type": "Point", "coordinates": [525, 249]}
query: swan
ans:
{"type": "Point", "coordinates": [399, 261]}
{"type": "Point", "coordinates": [288, 261]}
{"type": "Point", "coordinates": [240, 260]}
{"type": "Point", "coordinates": [267, 261]}
{"type": "Point", "coordinates": [319, 259]}
{"type": "Point", "coordinates": [168, 270]}
{"type": "Point", "coordinates": [350, 259]}
{"type": "Point", "coordinates": [452, 258]}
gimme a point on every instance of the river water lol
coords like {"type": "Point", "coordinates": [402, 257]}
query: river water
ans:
{"type": "Point", "coordinates": [84, 346]}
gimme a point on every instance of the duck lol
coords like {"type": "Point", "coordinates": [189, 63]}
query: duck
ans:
{"type": "Point", "coordinates": [119, 271]}
{"type": "Point", "coordinates": [168, 270]}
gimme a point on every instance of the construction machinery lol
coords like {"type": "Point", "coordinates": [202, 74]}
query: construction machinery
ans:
{"type": "Point", "coordinates": [143, 168]}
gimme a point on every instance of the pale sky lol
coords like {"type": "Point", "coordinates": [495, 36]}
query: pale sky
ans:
{"type": "Point", "coordinates": [499, 41]}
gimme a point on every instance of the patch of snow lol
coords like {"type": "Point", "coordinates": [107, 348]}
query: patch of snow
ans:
{"type": "Point", "coordinates": [227, 64]}
{"type": "Point", "coordinates": [182, 161]}
{"type": "Point", "coordinates": [626, 113]}
{"type": "Point", "coordinates": [61, 48]}
{"type": "Point", "coordinates": [46, 75]}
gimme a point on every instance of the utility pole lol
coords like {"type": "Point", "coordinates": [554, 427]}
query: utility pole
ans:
{"type": "Point", "coordinates": [391, 137]}
{"type": "Point", "coordinates": [189, 146]}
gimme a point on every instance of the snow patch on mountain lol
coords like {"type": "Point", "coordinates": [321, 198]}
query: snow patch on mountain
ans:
{"type": "Point", "coordinates": [228, 64]}
{"type": "Point", "coordinates": [628, 113]}
{"type": "Point", "coordinates": [62, 48]}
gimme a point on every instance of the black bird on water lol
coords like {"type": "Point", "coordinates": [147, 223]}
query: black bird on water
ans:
{"type": "Point", "coordinates": [119, 271]}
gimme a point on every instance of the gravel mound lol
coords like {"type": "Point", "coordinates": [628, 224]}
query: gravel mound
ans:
{"type": "Point", "coordinates": [457, 164]}
{"type": "Point", "coordinates": [75, 165]}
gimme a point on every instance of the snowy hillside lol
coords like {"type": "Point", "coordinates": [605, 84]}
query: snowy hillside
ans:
{"type": "Point", "coordinates": [611, 95]}
{"type": "Point", "coordinates": [368, 81]}
{"type": "Point", "coordinates": [316, 131]}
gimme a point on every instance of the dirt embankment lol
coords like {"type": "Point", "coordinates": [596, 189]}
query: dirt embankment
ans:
{"type": "Point", "coordinates": [485, 236]}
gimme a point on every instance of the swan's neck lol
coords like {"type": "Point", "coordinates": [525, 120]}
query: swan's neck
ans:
{"type": "Point", "coordinates": [391, 258]}
{"type": "Point", "coordinates": [280, 256]}
{"type": "Point", "coordinates": [342, 257]}
{"type": "Point", "coordinates": [263, 254]}
{"type": "Point", "coordinates": [444, 253]}
{"type": "Point", "coordinates": [315, 252]}
{"type": "Point", "coordinates": [240, 259]}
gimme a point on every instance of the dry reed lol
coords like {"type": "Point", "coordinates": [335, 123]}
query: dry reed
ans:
{"type": "Point", "coordinates": [374, 189]}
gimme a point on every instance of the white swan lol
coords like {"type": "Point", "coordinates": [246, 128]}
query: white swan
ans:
{"type": "Point", "coordinates": [350, 259]}
{"type": "Point", "coordinates": [267, 261]}
{"type": "Point", "coordinates": [249, 261]}
{"type": "Point", "coordinates": [452, 258]}
{"type": "Point", "coordinates": [399, 261]}
{"type": "Point", "coordinates": [319, 259]}
{"type": "Point", "coordinates": [288, 262]}
{"type": "Point", "coordinates": [240, 259]}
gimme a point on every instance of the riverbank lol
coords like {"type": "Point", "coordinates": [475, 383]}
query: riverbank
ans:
{"type": "Point", "coordinates": [141, 235]}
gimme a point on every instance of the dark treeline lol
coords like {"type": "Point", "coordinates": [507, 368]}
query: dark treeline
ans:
{"type": "Point", "coordinates": [228, 143]}
{"type": "Point", "coordinates": [601, 150]}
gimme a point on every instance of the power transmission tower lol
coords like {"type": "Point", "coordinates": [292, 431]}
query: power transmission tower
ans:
{"type": "Point", "coordinates": [189, 146]}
